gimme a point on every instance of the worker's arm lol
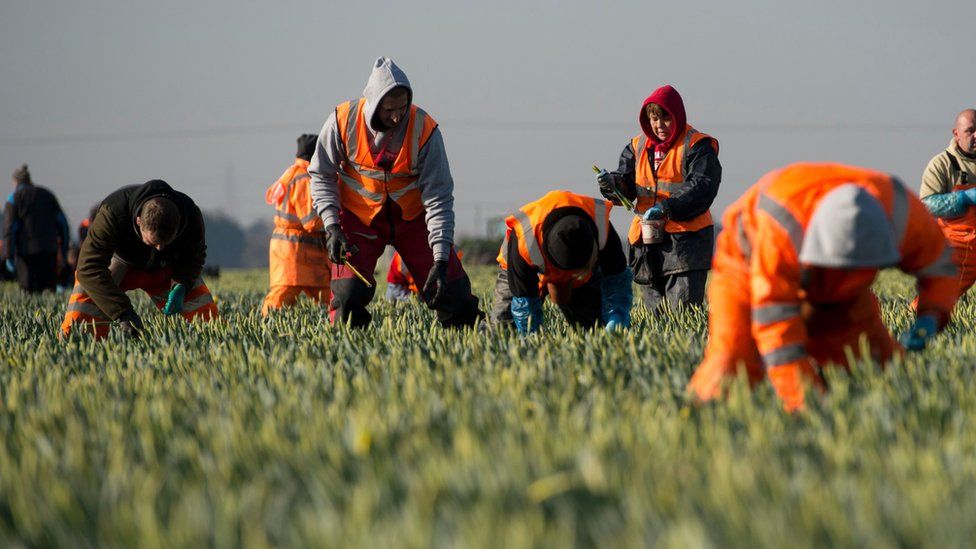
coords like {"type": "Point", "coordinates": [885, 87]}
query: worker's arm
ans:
{"type": "Point", "coordinates": [9, 228]}
{"type": "Point", "coordinates": [611, 259]}
{"type": "Point", "coordinates": [703, 173]}
{"type": "Point", "coordinates": [301, 199]}
{"type": "Point", "coordinates": [926, 255]}
{"type": "Point", "coordinates": [324, 170]}
{"type": "Point", "coordinates": [616, 287]}
{"type": "Point", "coordinates": [93, 262]}
{"type": "Point", "coordinates": [624, 177]}
{"type": "Point", "coordinates": [437, 193]}
{"type": "Point", "coordinates": [777, 325]}
{"type": "Point", "coordinates": [64, 230]}
{"type": "Point", "coordinates": [936, 190]}
{"type": "Point", "coordinates": [193, 252]}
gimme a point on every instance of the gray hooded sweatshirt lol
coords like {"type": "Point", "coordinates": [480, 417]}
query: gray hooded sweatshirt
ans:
{"type": "Point", "coordinates": [435, 182]}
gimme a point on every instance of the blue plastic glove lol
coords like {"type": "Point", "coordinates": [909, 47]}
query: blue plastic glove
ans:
{"type": "Point", "coordinates": [174, 302]}
{"type": "Point", "coordinates": [656, 212]}
{"type": "Point", "coordinates": [920, 333]}
{"type": "Point", "coordinates": [617, 297]}
{"type": "Point", "coordinates": [9, 264]}
{"type": "Point", "coordinates": [968, 196]}
{"type": "Point", "coordinates": [527, 314]}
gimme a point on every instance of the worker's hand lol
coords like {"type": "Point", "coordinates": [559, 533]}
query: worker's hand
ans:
{"type": "Point", "coordinates": [337, 245]}
{"type": "Point", "coordinates": [174, 301]}
{"type": "Point", "coordinates": [607, 187]}
{"type": "Point", "coordinates": [924, 329]}
{"type": "Point", "coordinates": [435, 288]}
{"type": "Point", "coordinates": [527, 314]}
{"type": "Point", "coordinates": [656, 212]}
{"type": "Point", "coordinates": [130, 324]}
{"type": "Point", "coordinates": [969, 196]}
{"type": "Point", "coordinates": [9, 264]}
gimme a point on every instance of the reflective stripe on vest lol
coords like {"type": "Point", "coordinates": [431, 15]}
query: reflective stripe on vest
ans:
{"type": "Point", "coordinates": [784, 355]}
{"type": "Point", "coordinates": [775, 312]}
{"type": "Point", "coordinates": [781, 215]}
{"type": "Point", "coordinates": [527, 235]}
{"type": "Point", "coordinates": [313, 239]}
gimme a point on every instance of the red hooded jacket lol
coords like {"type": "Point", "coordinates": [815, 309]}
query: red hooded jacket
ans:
{"type": "Point", "coordinates": [670, 100]}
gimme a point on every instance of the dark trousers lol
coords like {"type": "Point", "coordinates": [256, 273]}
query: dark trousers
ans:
{"type": "Point", "coordinates": [672, 290]}
{"type": "Point", "coordinates": [350, 296]}
{"type": "Point", "coordinates": [583, 310]}
{"type": "Point", "coordinates": [37, 272]}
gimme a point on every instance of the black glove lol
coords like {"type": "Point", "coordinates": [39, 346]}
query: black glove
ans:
{"type": "Point", "coordinates": [605, 181]}
{"type": "Point", "coordinates": [130, 324]}
{"type": "Point", "coordinates": [436, 285]}
{"type": "Point", "coordinates": [337, 245]}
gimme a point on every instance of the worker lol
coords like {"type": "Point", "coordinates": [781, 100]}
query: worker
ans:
{"type": "Point", "coordinates": [671, 173]}
{"type": "Point", "coordinates": [791, 281]}
{"type": "Point", "coordinates": [563, 246]}
{"type": "Point", "coordinates": [147, 237]}
{"type": "Point", "coordinates": [949, 192]}
{"type": "Point", "coordinates": [298, 261]}
{"type": "Point", "coordinates": [380, 176]}
{"type": "Point", "coordinates": [35, 234]}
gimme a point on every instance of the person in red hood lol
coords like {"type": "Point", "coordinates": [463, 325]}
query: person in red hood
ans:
{"type": "Point", "coordinates": [671, 173]}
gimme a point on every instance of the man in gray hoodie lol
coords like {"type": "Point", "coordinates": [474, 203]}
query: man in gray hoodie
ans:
{"type": "Point", "coordinates": [380, 176]}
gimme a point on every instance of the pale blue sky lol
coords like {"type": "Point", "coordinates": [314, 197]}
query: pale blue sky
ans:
{"type": "Point", "coordinates": [211, 95]}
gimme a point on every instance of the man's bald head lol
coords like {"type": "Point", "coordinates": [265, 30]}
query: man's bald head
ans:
{"type": "Point", "coordinates": [965, 131]}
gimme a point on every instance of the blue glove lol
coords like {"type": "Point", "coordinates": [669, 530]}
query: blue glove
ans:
{"type": "Point", "coordinates": [9, 264]}
{"type": "Point", "coordinates": [656, 212]}
{"type": "Point", "coordinates": [527, 314]}
{"type": "Point", "coordinates": [946, 205]}
{"type": "Point", "coordinates": [174, 302]}
{"type": "Point", "coordinates": [617, 297]}
{"type": "Point", "coordinates": [920, 333]}
{"type": "Point", "coordinates": [968, 196]}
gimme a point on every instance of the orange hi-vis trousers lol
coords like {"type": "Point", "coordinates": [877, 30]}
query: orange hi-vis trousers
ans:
{"type": "Point", "coordinates": [833, 330]}
{"type": "Point", "coordinates": [82, 311]}
{"type": "Point", "coordinates": [286, 296]}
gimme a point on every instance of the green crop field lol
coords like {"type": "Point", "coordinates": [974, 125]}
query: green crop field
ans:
{"type": "Point", "coordinates": [291, 432]}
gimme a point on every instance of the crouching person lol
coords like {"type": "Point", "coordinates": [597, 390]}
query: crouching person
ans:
{"type": "Point", "coordinates": [146, 237]}
{"type": "Point", "coordinates": [563, 246]}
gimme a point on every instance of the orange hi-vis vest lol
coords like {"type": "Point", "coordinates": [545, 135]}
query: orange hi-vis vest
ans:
{"type": "Point", "coordinates": [527, 224]}
{"type": "Point", "coordinates": [769, 224]}
{"type": "Point", "coordinates": [364, 186]}
{"type": "Point", "coordinates": [297, 251]}
{"type": "Point", "coordinates": [669, 180]}
{"type": "Point", "coordinates": [962, 228]}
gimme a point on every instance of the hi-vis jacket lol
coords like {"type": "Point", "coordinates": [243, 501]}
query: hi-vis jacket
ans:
{"type": "Point", "coordinates": [768, 225]}
{"type": "Point", "coordinates": [527, 227]}
{"type": "Point", "coordinates": [669, 180]}
{"type": "Point", "coordinates": [297, 251]}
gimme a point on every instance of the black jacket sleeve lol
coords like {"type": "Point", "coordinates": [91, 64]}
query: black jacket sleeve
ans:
{"type": "Point", "coordinates": [611, 259]}
{"type": "Point", "coordinates": [9, 218]}
{"type": "Point", "coordinates": [625, 176]}
{"type": "Point", "coordinates": [93, 263]}
{"type": "Point", "coordinates": [703, 173]}
{"type": "Point", "coordinates": [523, 279]}
{"type": "Point", "coordinates": [193, 253]}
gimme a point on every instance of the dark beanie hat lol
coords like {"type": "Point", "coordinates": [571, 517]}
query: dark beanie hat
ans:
{"type": "Point", "coordinates": [306, 145]}
{"type": "Point", "coordinates": [22, 175]}
{"type": "Point", "coordinates": [569, 242]}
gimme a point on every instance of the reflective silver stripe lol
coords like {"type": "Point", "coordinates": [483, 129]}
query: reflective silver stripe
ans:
{"type": "Point", "coordinates": [418, 131]}
{"type": "Point", "coordinates": [358, 187]}
{"type": "Point", "coordinates": [197, 302]}
{"type": "Point", "coordinates": [288, 216]}
{"type": "Point", "coordinates": [600, 213]}
{"type": "Point", "coordinates": [87, 309]}
{"type": "Point", "coordinates": [504, 251]}
{"type": "Point", "coordinates": [396, 195]}
{"type": "Point", "coordinates": [899, 210]}
{"type": "Point", "coordinates": [743, 239]}
{"type": "Point", "coordinates": [528, 238]}
{"type": "Point", "coordinates": [784, 355]}
{"type": "Point", "coordinates": [670, 187]}
{"type": "Point", "coordinates": [786, 220]}
{"type": "Point", "coordinates": [775, 312]}
{"type": "Point", "coordinates": [943, 266]}
{"type": "Point", "coordinates": [381, 175]}
{"type": "Point", "coordinates": [641, 146]}
{"type": "Point", "coordinates": [352, 129]}
{"type": "Point", "coordinates": [644, 191]}
{"type": "Point", "coordinates": [684, 153]}
{"type": "Point", "coordinates": [296, 238]}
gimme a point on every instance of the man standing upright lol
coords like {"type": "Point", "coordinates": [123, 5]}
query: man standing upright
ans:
{"type": "Point", "coordinates": [949, 192]}
{"type": "Point", "coordinates": [380, 176]}
{"type": "Point", "coordinates": [35, 231]}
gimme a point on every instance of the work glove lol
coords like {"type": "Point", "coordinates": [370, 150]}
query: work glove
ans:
{"type": "Point", "coordinates": [947, 205]}
{"type": "Point", "coordinates": [968, 196]}
{"type": "Point", "coordinates": [924, 329]}
{"type": "Point", "coordinates": [617, 298]}
{"type": "Point", "coordinates": [337, 245]}
{"type": "Point", "coordinates": [435, 288]}
{"type": "Point", "coordinates": [656, 212]}
{"type": "Point", "coordinates": [174, 302]}
{"type": "Point", "coordinates": [9, 264]}
{"type": "Point", "coordinates": [527, 314]}
{"type": "Point", "coordinates": [607, 187]}
{"type": "Point", "coordinates": [130, 324]}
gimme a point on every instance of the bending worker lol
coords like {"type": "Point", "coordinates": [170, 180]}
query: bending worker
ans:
{"type": "Point", "coordinates": [791, 281]}
{"type": "Point", "coordinates": [35, 234]}
{"type": "Point", "coordinates": [671, 172]}
{"type": "Point", "coordinates": [949, 192]}
{"type": "Point", "coordinates": [380, 176]}
{"type": "Point", "coordinates": [146, 237]}
{"type": "Point", "coordinates": [298, 261]}
{"type": "Point", "coordinates": [563, 246]}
